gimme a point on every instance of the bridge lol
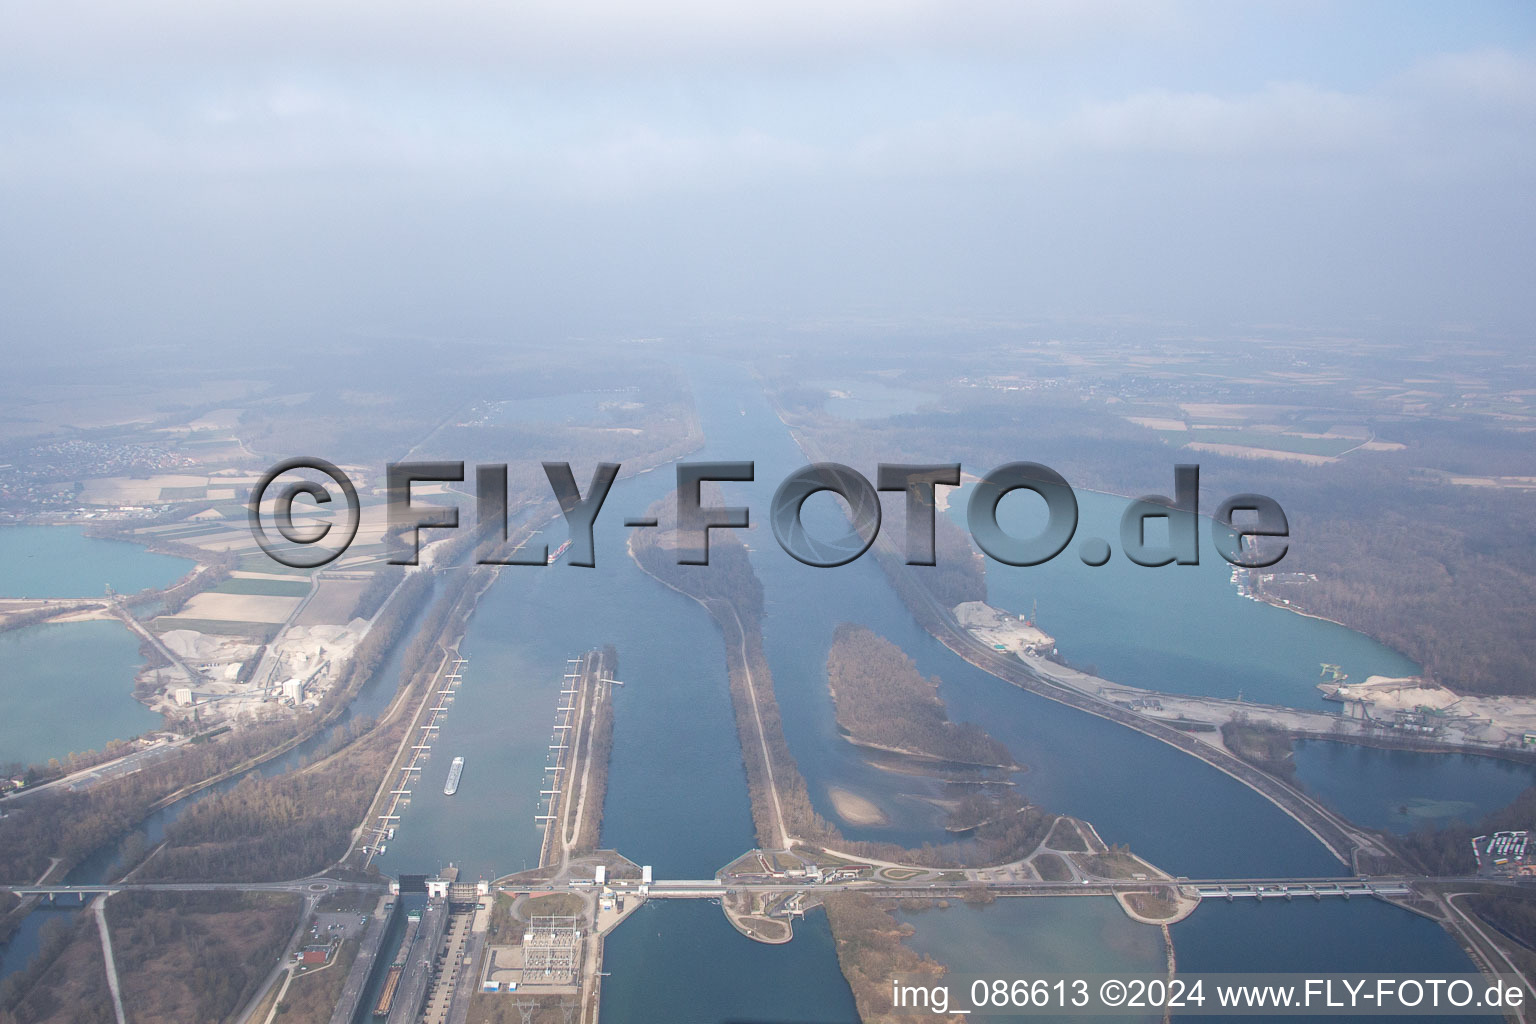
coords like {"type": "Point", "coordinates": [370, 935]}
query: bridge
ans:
{"type": "Point", "coordinates": [703, 888]}
{"type": "Point", "coordinates": [304, 886]}
{"type": "Point", "coordinates": [793, 890]}
{"type": "Point", "coordinates": [1386, 887]}
{"type": "Point", "coordinates": [1313, 889]}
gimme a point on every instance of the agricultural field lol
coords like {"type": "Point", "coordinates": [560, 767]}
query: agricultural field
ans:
{"type": "Point", "coordinates": [334, 601]}
{"type": "Point", "coordinates": [265, 586]}
{"type": "Point", "coordinates": [240, 607]}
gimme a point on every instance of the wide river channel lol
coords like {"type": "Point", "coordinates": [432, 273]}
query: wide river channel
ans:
{"type": "Point", "coordinates": [677, 795]}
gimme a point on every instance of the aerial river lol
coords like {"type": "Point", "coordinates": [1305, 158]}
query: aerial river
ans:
{"type": "Point", "coordinates": [677, 792]}
{"type": "Point", "coordinates": [107, 863]}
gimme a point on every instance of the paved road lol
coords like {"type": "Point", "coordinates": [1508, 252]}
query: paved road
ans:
{"type": "Point", "coordinates": [113, 984]}
{"type": "Point", "coordinates": [1485, 948]}
{"type": "Point", "coordinates": [304, 886]}
{"type": "Point", "coordinates": [462, 988]}
{"type": "Point", "coordinates": [469, 979]}
{"type": "Point", "coordinates": [281, 972]}
{"type": "Point", "coordinates": [85, 778]}
{"type": "Point", "coordinates": [702, 888]}
{"type": "Point", "coordinates": [706, 887]}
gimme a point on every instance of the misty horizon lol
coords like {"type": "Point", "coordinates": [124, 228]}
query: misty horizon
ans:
{"type": "Point", "coordinates": [282, 175]}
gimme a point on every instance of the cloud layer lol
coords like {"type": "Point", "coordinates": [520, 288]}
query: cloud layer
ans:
{"type": "Point", "coordinates": [180, 167]}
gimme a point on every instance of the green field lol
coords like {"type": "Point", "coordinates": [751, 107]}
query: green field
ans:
{"type": "Point", "coordinates": [260, 561]}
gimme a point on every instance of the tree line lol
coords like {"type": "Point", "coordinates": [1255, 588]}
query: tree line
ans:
{"type": "Point", "coordinates": [883, 700]}
{"type": "Point", "coordinates": [1447, 850]}
{"type": "Point", "coordinates": [1445, 573]}
{"type": "Point", "coordinates": [1014, 828]}
{"type": "Point", "coordinates": [301, 822]}
{"type": "Point", "coordinates": [870, 953]}
{"type": "Point", "coordinates": [70, 825]}
{"type": "Point", "coordinates": [197, 956]}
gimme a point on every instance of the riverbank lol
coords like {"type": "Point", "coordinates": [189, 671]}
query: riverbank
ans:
{"type": "Point", "coordinates": [780, 802]}
{"type": "Point", "coordinates": [584, 743]}
{"type": "Point", "coordinates": [871, 952]}
{"type": "Point", "coordinates": [883, 703]}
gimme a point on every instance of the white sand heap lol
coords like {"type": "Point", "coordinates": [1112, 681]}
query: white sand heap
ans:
{"type": "Point", "coordinates": [1501, 719]}
{"type": "Point", "coordinates": [191, 646]}
{"type": "Point", "coordinates": [1402, 693]}
{"type": "Point", "coordinates": [329, 635]}
{"type": "Point", "coordinates": [1002, 629]}
{"type": "Point", "coordinates": [302, 649]}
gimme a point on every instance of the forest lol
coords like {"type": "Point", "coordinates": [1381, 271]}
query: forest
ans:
{"type": "Point", "coordinates": [870, 953]}
{"type": "Point", "coordinates": [728, 577]}
{"type": "Point", "coordinates": [70, 825]}
{"type": "Point", "coordinates": [197, 956]}
{"type": "Point", "coordinates": [1444, 573]}
{"type": "Point", "coordinates": [270, 829]}
{"type": "Point", "coordinates": [1448, 851]}
{"type": "Point", "coordinates": [882, 700]}
{"type": "Point", "coordinates": [599, 741]}
{"type": "Point", "coordinates": [1262, 745]}
{"type": "Point", "coordinates": [66, 982]}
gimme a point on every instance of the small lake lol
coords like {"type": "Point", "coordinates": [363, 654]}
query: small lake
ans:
{"type": "Point", "coordinates": [1035, 936]}
{"type": "Point", "coordinates": [68, 687]}
{"type": "Point", "coordinates": [1402, 790]}
{"type": "Point", "coordinates": [61, 561]}
{"type": "Point", "coordinates": [1174, 628]}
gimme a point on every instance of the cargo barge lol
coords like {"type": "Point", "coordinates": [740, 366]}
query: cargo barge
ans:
{"type": "Point", "coordinates": [455, 772]}
{"type": "Point", "coordinates": [396, 969]}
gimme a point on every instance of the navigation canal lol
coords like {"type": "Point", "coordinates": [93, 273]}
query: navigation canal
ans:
{"type": "Point", "coordinates": [677, 795]}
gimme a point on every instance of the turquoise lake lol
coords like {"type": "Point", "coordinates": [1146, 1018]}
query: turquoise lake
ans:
{"type": "Point", "coordinates": [61, 561]}
{"type": "Point", "coordinates": [68, 687]}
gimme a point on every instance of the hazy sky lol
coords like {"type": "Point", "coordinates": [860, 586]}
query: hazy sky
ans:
{"type": "Point", "coordinates": [297, 169]}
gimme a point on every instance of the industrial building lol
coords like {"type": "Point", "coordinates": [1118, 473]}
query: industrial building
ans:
{"type": "Point", "coordinates": [551, 950]}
